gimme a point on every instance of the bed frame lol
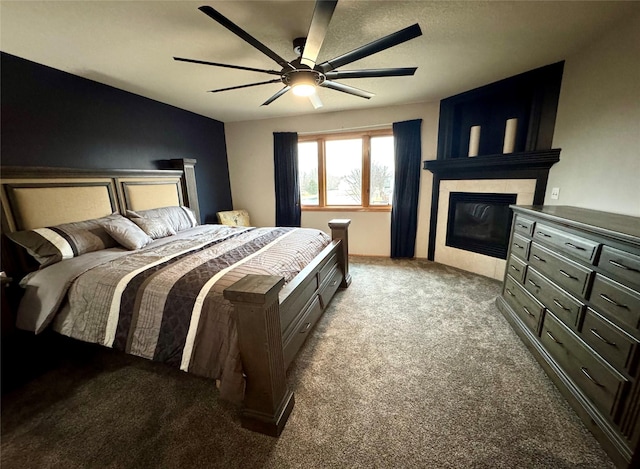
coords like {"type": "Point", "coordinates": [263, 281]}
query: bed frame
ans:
{"type": "Point", "coordinates": [273, 322]}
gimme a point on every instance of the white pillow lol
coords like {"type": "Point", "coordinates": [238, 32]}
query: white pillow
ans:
{"type": "Point", "coordinates": [127, 233]}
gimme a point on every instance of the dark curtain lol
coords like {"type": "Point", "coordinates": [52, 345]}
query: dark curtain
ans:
{"type": "Point", "coordinates": [285, 158]}
{"type": "Point", "coordinates": [404, 213]}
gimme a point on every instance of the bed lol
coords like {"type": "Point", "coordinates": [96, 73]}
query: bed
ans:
{"type": "Point", "coordinates": [234, 304]}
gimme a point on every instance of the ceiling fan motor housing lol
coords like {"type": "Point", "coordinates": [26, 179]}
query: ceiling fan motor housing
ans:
{"type": "Point", "coordinates": [306, 76]}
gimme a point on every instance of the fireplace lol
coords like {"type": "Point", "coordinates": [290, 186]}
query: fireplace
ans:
{"type": "Point", "coordinates": [523, 174]}
{"type": "Point", "coordinates": [480, 222]}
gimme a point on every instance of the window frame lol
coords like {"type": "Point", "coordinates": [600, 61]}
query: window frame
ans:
{"type": "Point", "coordinates": [364, 206]}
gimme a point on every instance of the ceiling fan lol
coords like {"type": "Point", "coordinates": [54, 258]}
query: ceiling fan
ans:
{"type": "Point", "coordinates": [303, 74]}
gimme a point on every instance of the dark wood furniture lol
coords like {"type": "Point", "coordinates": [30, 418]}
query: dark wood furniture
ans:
{"type": "Point", "coordinates": [268, 350]}
{"type": "Point", "coordinates": [572, 293]}
{"type": "Point", "coordinates": [273, 322]}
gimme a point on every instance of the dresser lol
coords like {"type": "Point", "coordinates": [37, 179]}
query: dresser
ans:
{"type": "Point", "coordinates": [572, 293]}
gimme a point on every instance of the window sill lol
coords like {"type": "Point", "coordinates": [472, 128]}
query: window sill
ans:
{"type": "Point", "coordinates": [343, 208]}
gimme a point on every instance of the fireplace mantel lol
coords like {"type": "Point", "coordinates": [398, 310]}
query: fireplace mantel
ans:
{"type": "Point", "coordinates": [512, 165]}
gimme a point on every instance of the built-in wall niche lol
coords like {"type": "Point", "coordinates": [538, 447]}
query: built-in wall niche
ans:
{"type": "Point", "coordinates": [531, 98]}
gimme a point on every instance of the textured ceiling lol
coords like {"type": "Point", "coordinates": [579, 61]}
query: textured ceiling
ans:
{"type": "Point", "coordinates": [130, 45]}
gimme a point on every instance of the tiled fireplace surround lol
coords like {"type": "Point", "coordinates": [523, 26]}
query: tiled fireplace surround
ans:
{"type": "Point", "coordinates": [524, 174]}
{"type": "Point", "coordinates": [467, 260]}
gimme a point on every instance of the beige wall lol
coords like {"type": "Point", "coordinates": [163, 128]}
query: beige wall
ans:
{"type": "Point", "coordinates": [598, 125]}
{"type": "Point", "coordinates": [250, 154]}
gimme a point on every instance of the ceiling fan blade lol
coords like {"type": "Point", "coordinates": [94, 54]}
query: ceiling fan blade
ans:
{"type": "Point", "coordinates": [378, 45]}
{"type": "Point", "coordinates": [371, 73]}
{"type": "Point", "coordinates": [276, 96]}
{"type": "Point", "coordinates": [244, 86]}
{"type": "Point", "coordinates": [215, 64]}
{"type": "Point", "coordinates": [317, 31]}
{"type": "Point", "coordinates": [242, 34]}
{"type": "Point", "coordinates": [315, 100]}
{"type": "Point", "coordinates": [347, 89]}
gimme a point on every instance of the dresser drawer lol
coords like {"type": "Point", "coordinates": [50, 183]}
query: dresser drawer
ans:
{"type": "Point", "coordinates": [621, 265]}
{"type": "Point", "coordinates": [524, 225]}
{"type": "Point", "coordinates": [327, 269]}
{"type": "Point", "coordinates": [563, 305]}
{"type": "Point", "coordinates": [576, 246]}
{"type": "Point", "coordinates": [617, 302]}
{"type": "Point", "coordinates": [528, 309]}
{"type": "Point", "coordinates": [612, 343]}
{"type": "Point", "coordinates": [330, 286]}
{"type": "Point", "coordinates": [520, 246]}
{"type": "Point", "coordinates": [561, 270]}
{"type": "Point", "coordinates": [516, 268]}
{"type": "Point", "coordinates": [602, 384]}
{"type": "Point", "coordinates": [292, 305]}
{"type": "Point", "coordinates": [297, 336]}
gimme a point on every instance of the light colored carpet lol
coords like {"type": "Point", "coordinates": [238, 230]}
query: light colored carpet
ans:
{"type": "Point", "coordinates": [412, 367]}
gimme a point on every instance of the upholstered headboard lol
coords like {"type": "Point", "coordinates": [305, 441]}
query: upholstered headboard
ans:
{"type": "Point", "coordinates": [40, 197]}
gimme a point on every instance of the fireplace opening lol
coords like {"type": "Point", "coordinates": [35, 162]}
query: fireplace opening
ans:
{"type": "Point", "coordinates": [480, 222]}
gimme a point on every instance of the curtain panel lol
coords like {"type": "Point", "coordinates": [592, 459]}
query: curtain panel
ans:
{"type": "Point", "coordinates": [404, 212]}
{"type": "Point", "coordinates": [287, 186]}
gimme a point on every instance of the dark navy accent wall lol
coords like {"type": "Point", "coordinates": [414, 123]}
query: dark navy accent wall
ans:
{"type": "Point", "coordinates": [53, 118]}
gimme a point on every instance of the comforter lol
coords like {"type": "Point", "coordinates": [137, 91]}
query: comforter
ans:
{"type": "Point", "coordinates": [165, 302]}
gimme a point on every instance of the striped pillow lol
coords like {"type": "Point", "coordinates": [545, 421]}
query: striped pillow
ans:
{"type": "Point", "coordinates": [179, 218]}
{"type": "Point", "coordinates": [55, 243]}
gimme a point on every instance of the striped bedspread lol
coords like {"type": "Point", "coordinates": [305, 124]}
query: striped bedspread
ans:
{"type": "Point", "coordinates": [166, 304]}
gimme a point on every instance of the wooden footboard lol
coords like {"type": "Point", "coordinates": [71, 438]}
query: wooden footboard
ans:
{"type": "Point", "coordinates": [273, 323]}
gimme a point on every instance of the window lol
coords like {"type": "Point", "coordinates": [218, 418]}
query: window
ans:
{"type": "Point", "coordinates": [346, 171]}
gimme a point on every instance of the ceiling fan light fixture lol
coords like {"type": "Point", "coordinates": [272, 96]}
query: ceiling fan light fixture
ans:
{"type": "Point", "coordinates": [303, 89]}
{"type": "Point", "coordinates": [303, 82]}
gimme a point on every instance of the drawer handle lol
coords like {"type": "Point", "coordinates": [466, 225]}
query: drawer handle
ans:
{"type": "Point", "coordinates": [534, 283]}
{"type": "Point", "coordinates": [568, 275]}
{"type": "Point", "coordinates": [509, 292]}
{"type": "Point", "coordinates": [544, 234]}
{"type": "Point", "coordinates": [579, 248]}
{"type": "Point", "coordinates": [515, 268]}
{"type": "Point", "coordinates": [333, 284]}
{"type": "Point", "coordinates": [305, 328]}
{"type": "Point", "coordinates": [613, 302]}
{"type": "Point", "coordinates": [586, 373]}
{"type": "Point", "coordinates": [553, 338]}
{"type": "Point", "coordinates": [526, 310]}
{"type": "Point", "coordinates": [595, 332]}
{"type": "Point", "coordinates": [622, 266]}
{"type": "Point", "coordinates": [522, 226]}
{"type": "Point", "coordinates": [518, 246]}
{"type": "Point", "coordinates": [560, 305]}
{"type": "Point", "coordinates": [539, 258]}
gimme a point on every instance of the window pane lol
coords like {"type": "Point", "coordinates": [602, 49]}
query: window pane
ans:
{"type": "Point", "coordinates": [308, 172]}
{"type": "Point", "coordinates": [344, 171]}
{"type": "Point", "coordinates": [382, 170]}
